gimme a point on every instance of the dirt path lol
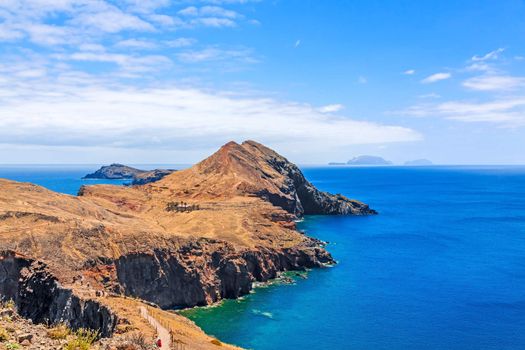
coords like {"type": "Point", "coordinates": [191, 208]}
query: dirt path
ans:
{"type": "Point", "coordinates": [162, 332]}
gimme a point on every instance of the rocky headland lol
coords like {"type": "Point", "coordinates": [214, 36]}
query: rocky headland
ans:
{"type": "Point", "coordinates": [118, 171]}
{"type": "Point", "coordinates": [194, 237]}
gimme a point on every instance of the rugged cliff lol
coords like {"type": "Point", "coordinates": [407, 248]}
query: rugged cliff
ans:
{"type": "Point", "coordinates": [41, 298]}
{"type": "Point", "coordinates": [203, 272]}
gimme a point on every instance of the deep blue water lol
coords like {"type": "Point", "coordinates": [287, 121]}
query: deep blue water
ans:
{"type": "Point", "coordinates": [59, 178]}
{"type": "Point", "coordinates": [441, 267]}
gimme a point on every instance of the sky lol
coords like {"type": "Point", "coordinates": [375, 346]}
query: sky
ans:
{"type": "Point", "coordinates": [166, 82]}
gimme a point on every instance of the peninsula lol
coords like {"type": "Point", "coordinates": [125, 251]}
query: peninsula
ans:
{"type": "Point", "coordinates": [194, 237]}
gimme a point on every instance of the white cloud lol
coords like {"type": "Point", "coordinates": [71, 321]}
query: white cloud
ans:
{"type": "Point", "coordinates": [111, 20]}
{"type": "Point", "coordinates": [80, 110]}
{"type": "Point", "coordinates": [489, 56]}
{"type": "Point", "coordinates": [479, 66]}
{"type": "Point", "coordinates": [331, 108]}
{"type": "Point", "coordinates": [409, 72]}
{"type": "Point", "coordinates": [494, 83]}
{"type": "Point", "coordinates": [297, 43]}
{"type": "Point", "coordinates": [436, 77]}
{"type": "Point", "coordinates": [507, 112]}
{"type": "Point", "coordinates": [209, 16]}
{"type": "Point", "coordinates": [213, 22]}
{"type": "Point", "coordinates": [136, 44]}
{"type": "Point", "coordinates": [181, 42]}
{"type": "Point", "coordinates": [217, 54]}
{"type": "Point", "coordinates": [69, 22]}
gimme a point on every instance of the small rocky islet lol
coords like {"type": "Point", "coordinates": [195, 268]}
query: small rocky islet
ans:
{"type": "Point", "coordinates": [94, 260]}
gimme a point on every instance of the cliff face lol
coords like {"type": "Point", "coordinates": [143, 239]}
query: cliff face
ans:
{"type": "Point", "coordinates": [203, 272]}
{"type": "Point", "coordinates": [305, 198]}
{"type": "Point", "coordinates": [40, 297]}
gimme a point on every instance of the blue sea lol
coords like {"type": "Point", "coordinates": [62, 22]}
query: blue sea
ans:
{"type": "Point", "coordinates": [441, 267]}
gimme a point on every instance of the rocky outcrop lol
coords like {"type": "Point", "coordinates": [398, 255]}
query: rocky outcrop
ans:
{"type": "Point", "coordinates": [203, 272]}
{"type": "Point", "coordinates": [297, 195]}
{"type": "Point", "coordinates": [117, 171]}
{"type": "Point", "coordinates": [150, 176]}
{"type": "Point", "coordinates": [40, 297]}
{"type": "Point", "coordinates": [114, 171]}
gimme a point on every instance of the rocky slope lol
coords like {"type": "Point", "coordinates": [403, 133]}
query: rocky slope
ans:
{"type": "Point", "coordinates": [192, 238]}
{"type": "Point", "coordinates": [150, 176]}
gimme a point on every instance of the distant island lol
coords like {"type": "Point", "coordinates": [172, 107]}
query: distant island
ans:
{"type": "Point", "coordinates": [364, 160]}
{"type": "Point", "coordinates": [418, 162]}
{"type": "Point", "coordinates": [118, 171]}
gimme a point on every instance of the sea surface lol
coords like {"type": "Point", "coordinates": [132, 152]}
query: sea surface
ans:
{"type": "Point", "coordinates": [441, 267]}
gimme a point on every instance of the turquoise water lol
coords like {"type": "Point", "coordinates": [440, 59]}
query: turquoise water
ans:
{"type": "Point", "coordinates": [441, 267]}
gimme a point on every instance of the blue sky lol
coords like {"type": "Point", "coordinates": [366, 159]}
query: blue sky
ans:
{"type": "Point", "coordinates": [169, 81]}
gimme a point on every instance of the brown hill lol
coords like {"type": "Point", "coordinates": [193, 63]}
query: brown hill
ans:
{"type": "Point", "coordinates": [192, 238]}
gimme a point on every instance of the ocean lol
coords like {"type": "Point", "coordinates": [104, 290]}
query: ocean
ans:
{"type": "Point", "coordinates": [441, 267]}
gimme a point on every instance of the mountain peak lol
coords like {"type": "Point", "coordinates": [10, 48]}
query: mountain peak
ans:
{"type": "Point", "coordinates": [252, 169]}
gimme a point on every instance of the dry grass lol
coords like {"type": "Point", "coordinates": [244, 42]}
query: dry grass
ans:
{"type": "Point", "coordinates": [83, 340]}
{"type": "Point", "coordinates": [60, 331]}
{"type": "Point", "coordinates": [4, 335]}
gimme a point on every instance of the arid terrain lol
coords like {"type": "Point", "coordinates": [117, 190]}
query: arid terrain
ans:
{"type": "Point", "coordinates": [192, 238]}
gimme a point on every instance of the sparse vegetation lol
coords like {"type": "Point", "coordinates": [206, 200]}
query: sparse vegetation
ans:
{"type": "Point", "coordinates": [4, 335]}
{"type": "Point", "coordinates": [60, 331]}
{"type": "Point", "coordinates": [83, 340]}
{"type": "Point", "coordinates": [136, 341]}
{"type": "Point", "coordinates": [8, 304]}
{"type": "Point", "coordinates": [12, 346]}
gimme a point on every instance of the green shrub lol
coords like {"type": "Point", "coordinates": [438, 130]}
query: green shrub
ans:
{"type": "Point", "coordinates": [12, 346]}
{"type": "Point", "coordinates": [83, 340]}
{"type": "Point", "coordinates": [4, 336]}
